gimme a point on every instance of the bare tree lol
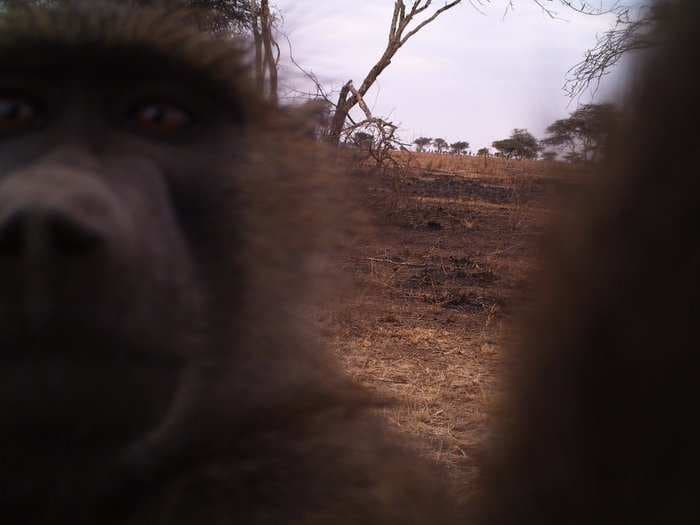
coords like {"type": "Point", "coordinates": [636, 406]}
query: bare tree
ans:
{"type": "Point", "coordinates": [406, 22]}
{"type": "Point", "coordinates": [400, 30]}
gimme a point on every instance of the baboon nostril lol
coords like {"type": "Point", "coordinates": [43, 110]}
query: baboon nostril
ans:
{"type": "Point", "coordinates": [51, 233]}
{"type": "Point", "coordinates": [12, 236]}
{"type": "Point", "coordinates": [67, 236]}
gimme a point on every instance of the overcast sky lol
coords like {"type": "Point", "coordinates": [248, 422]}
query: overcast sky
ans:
{"type": "Point", "coordinates": [467, 76]}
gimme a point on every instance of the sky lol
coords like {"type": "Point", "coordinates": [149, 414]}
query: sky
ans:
{"type": "Point", "coordinates": [466, 76]}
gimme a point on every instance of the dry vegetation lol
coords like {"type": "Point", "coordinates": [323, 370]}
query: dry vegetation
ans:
{"type": "Point", "coordinates": [436, 286]}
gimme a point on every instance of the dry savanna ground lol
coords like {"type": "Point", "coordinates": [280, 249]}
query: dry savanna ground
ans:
{"type": "Point", "coordinates": [436, 286]}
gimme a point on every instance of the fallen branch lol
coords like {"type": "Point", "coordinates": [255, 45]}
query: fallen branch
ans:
{"type": "Point", "coordinates": [397, 263]}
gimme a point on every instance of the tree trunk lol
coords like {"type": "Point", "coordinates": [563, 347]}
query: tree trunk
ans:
{"type": "Point", "coordinates": [257, 40]}
{"type": "Point", "coordinates": [269, 62]}
{"type": "Point", "coordinates": [341, 113]}
{"type": "Point", "coordinates": [264, 44]}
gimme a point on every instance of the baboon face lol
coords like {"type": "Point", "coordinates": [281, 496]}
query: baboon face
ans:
{"type": "Point", "coordinates": [111, 173]}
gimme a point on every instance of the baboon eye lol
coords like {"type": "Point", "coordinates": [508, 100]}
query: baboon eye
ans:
{"type": "Point", "coordinates": [16, 113]}
{"type": "Point", "coordinates": [160, 118]}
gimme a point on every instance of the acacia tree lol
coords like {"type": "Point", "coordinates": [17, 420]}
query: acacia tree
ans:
{"type": "Point", "coordinates": [573, 157]}
{"type": "Point", "coordinates": [421, 143]}
{"type": "Point", "coordinates": [459, 147]}
{"type": "Point", "coordinates": [440, 144]}
{"type": "Point", "coordinates": [505, 147]}
{"type": "Point", "coordinates": [483, 152]}
{"type": "Point", "coordinates": [520, 145]}
{"type": "Point", "coordinates": [562, 134]}
{"type": "Point", "coordinates": [596, 123]}
{"type": "Point", "coordinates": [584, 133]}
{"type": "Point", "coordinates": [528, 147]}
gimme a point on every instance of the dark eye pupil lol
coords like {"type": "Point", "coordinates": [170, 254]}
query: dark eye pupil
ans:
{"type": "Point", "coordinates": [9, 110]}
{"type": "Point", "coordinates": [154, 114]}
{"type": "Point", "coordinates": [15, 112]}
{"type": "Point", "coordinates": [161, 118]}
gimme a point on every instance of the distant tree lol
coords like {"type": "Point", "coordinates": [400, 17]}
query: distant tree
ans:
{"type": "Point", "coordinates": [440, 144]}
{"type": "Point", "coordinates": [527, 145]}
{"type": "Point", "coordinates": [459, 147]}
{"type": "Point", "coordinates": [595, 123]}
{"type": "Point", "coordinates": [422, 142]}
{"type": "Point", "coordinates": [584, 132]}
{"type": "Point", "coordinates": [562, 134]}
{"type": "Point", "coordinates": [549, 155]}
{"type": "Point", "coordinates": [483, 152]}
{"type": "Point", "coordinates": [505, 147]}
{"type": "Point", "coordinates": [363, 140]}
{"type": "Point", "coordinates": [574, 157]}
{"type": "Point", "coordinates": [520, 145]}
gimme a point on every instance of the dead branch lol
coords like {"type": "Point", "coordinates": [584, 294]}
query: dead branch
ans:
{"type": "Point", "coordinates": [396, 263]}
{"type": "Point", "coordinates": [630, 33]}
{"type": "Point", "coordinates": [360, 101]}
{"type": "Point", "coordinates": [399, 33]}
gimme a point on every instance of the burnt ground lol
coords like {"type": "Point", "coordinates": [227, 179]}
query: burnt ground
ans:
{"type": "Point", "coordinates": [436, 286]}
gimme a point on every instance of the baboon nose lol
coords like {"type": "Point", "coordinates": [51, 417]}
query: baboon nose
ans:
{"type": "Point", "coordinates": [33, 231]}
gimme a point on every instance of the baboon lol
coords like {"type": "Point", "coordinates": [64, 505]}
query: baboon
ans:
{"type": "Point", "coordinates": [599, 413]}
{"type": "Point", "coordinates": [154, 224]}
{"type": "Point", "coordinates": [154, 231]}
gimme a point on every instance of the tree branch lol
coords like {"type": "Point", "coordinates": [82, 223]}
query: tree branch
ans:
{"type": "Point", "coordinates": [430, 19]}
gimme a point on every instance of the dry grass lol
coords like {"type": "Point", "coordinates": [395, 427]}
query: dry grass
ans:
{"type": "Point", "coordinates": [466, 165]}
{"type": "Point", "coordinates": [436, 285]}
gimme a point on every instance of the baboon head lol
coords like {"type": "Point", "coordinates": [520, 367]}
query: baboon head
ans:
{"type": "Point", "coordinates": [144, 266]}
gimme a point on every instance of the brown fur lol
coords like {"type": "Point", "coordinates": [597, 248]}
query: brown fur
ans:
{"type": "Point", "coordinates": [600, 425]}
{"type": "Point", "coordinates": [154, 368]}
{"type": "Point", "coordinates": [258, 425]}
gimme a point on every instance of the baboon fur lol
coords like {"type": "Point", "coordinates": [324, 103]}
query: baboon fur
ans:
{"type": "Point", "coordinates": [599, 424]}
{"type": "Point", "coordinates": [154, 365]}
{"type": "Point", "coordinates": [155, 370]}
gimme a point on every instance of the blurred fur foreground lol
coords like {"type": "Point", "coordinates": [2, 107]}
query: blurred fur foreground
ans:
{"type": "Point", "coordinates": [600, 415]}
